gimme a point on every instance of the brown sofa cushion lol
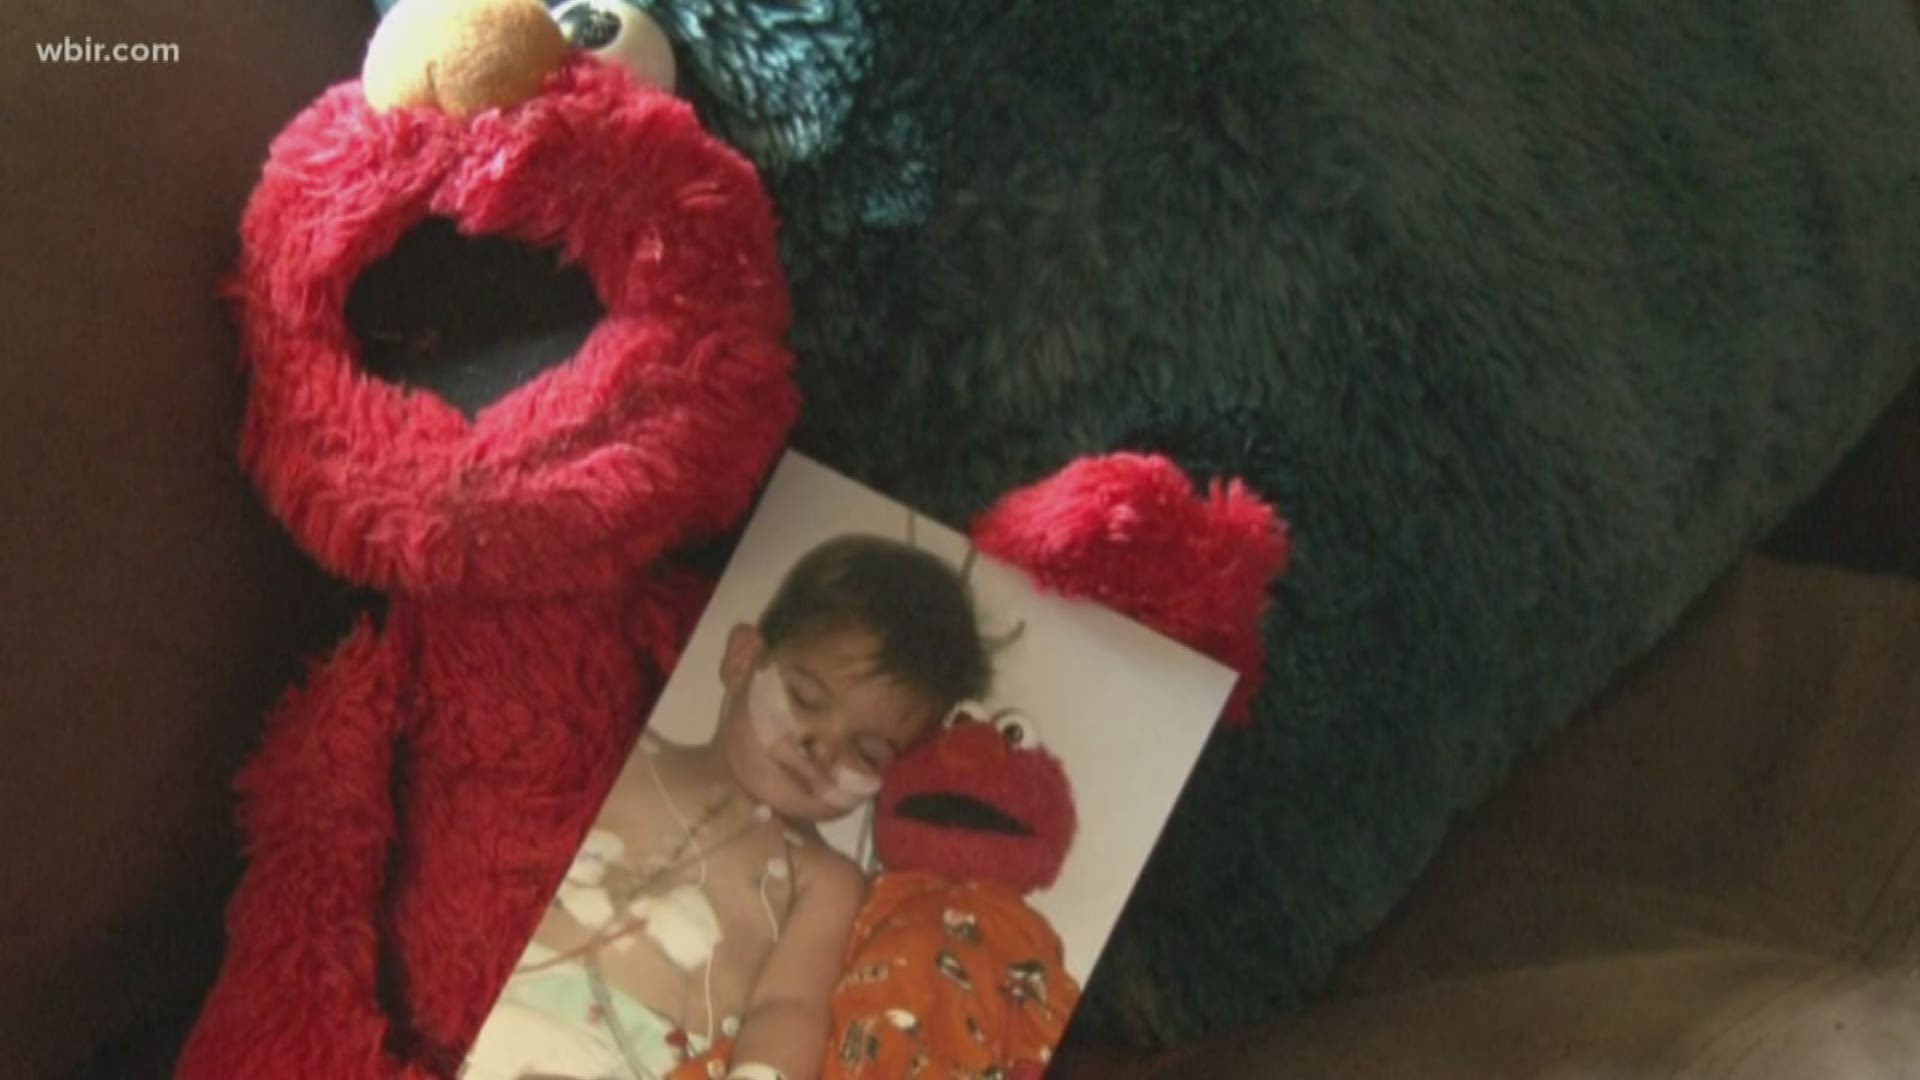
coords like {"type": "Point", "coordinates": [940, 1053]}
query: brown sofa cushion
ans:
{"type": "Point", "coordinates": [148, 610]}
{"type": "Point", "coordinates": [1715, 872]}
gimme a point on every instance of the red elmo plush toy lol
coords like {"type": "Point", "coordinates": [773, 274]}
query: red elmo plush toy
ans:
{"type": "Point", "coordinates": [412, 807]}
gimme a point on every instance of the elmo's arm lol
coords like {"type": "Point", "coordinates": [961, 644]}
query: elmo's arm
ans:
{"type": "Point", "coordinates": [296, 995]}
{"type": "Point", "coordinates": [1131, 532]}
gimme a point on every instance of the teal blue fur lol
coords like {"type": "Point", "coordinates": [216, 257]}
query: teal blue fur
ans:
{"type": "Point", "coordinates": [1529, 314]}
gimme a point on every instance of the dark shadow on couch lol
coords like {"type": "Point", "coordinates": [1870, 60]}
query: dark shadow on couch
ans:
{"type": "Point", "coordinates": [149, 611]}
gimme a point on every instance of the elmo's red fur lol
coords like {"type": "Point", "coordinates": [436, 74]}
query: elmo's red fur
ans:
{"type": "Point", "coordinates": [412, 807]}
{"type": "Point", "coordinates": [972, 761]}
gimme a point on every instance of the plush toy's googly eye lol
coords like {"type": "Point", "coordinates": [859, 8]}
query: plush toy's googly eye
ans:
{"type": "Point", "coordinates": [1016, 728]}
{"type": "Point", "coordinates": [620, 31]}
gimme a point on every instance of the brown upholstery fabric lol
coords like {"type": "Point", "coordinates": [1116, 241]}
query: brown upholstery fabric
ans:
{"type": "Point", "coordinates": [1714, 873]}
{"type": "Point", "coordinates": [148, 608]}
{"type": "Point", "coordinates": [1867, 516]}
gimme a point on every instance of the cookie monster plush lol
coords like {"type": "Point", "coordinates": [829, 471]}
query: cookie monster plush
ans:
{"type": "Point", "coordinates": [1532, 315]}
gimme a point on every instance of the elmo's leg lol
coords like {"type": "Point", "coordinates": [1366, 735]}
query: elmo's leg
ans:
{"type": "Point", "coordinates": [296, 996]}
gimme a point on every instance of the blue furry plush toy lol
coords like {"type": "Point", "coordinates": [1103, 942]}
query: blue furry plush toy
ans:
{"type": "Point", "coordinates": [1531, 314]}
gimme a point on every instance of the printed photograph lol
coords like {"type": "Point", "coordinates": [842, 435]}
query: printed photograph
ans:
{"type": "Point", "coordinates": [880, 824]}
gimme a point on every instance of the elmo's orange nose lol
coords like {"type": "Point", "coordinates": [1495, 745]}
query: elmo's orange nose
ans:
{"type": "Point", "coordinates": [461, 56]}
{"type": "Point", "coordinates": [973, 745]}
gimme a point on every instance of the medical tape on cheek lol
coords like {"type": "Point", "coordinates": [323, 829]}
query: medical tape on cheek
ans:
{"type": "Point", "coordinates": [850, 789]}
{"type": "Point", "coordinates": [770, 712]}
{"type": "Point", "coordinates": [769, 709]}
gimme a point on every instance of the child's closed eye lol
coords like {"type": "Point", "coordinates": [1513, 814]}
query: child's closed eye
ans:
{"type": "Point", "coordinates": [803, 701]}
{"type": "Point", "coordinates": [874, 755]}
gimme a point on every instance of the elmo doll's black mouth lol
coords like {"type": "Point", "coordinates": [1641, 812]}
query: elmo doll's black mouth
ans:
{"type": "Point", "coordinates": [468, 319]}
{"type": "Point", "coordinates": [955, 810]}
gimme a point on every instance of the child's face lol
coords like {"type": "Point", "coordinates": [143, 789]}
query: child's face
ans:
{"type": "Point", "coordinates": [809, 728]}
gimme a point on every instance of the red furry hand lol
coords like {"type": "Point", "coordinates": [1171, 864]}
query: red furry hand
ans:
{"type": "Point", "coordinates": [1131, 531]}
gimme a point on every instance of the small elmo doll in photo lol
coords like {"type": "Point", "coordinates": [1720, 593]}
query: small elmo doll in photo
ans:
{"type": "Point", "coordinates": [514, 329]}
{"type": "Point", "coordinates": [950, 972]}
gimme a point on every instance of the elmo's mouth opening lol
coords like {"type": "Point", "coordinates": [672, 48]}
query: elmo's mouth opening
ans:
{"type": "Point", "coordinates": [468, 319]}
{"type": "Point", "coordinates": [956, 810]}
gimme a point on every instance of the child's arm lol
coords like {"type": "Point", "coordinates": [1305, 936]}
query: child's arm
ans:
{"type": "Point", "coordinates": [785, 1026]}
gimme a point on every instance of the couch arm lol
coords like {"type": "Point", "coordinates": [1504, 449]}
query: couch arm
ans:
{"type": "Point", "coordinates": [148, 610]}
{"type": "Point", "coordinates": [1867, 518]}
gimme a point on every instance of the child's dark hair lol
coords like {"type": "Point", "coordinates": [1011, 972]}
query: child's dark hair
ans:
{"type": "Point", "coordinates": [916, 606]}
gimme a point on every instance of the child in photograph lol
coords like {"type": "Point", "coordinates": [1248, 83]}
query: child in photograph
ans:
{"type": "Point", "coordinates": [704, 906]}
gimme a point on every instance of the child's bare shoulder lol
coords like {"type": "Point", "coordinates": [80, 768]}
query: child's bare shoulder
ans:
{"type": "Point", "coordinates": [827, 873]}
